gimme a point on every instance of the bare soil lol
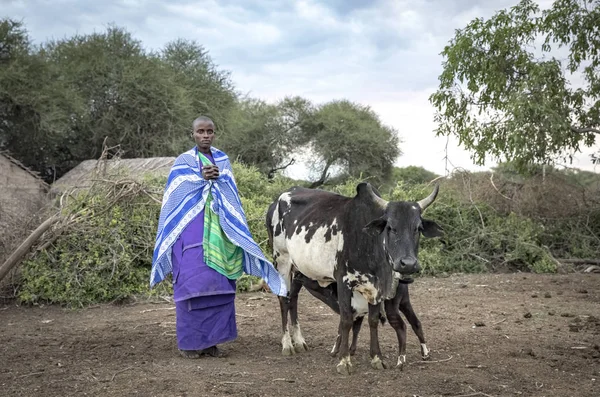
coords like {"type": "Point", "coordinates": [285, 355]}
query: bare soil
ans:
{"type": "Point", "coordinates": [537, 335]}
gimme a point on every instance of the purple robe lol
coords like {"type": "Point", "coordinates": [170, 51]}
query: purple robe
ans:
{"type": "Point", "coordinates": [204, 298]}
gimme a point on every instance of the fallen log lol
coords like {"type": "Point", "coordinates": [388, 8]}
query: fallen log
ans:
{"type": "Point", "coordinates": [17, 256]}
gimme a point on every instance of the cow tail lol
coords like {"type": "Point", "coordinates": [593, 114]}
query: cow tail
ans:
{"type": "Point", "coordinates": [268, 220]}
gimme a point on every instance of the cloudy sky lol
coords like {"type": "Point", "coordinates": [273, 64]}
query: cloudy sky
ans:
{"type": "Point", "coordinates": [381, 53]}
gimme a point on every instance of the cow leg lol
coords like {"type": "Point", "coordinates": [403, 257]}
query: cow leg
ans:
{"type": "Point", "coordinates": [393, 315]}
{"type": "Point", "coordinates": [286, 303]}
{"type": "Point", "coordinates": [375, 350]}
{"type": "Point", "coordinates": [344, 367]}
{"type": "Point", "coordinates": [409, 313]}
{"type": "Point", "coordinates": [336, 346]}
{"type": "Point", "coordinates": [297, 339]}
{"type": "Point", "coordinates": [355, 330]}
{"type": "Point", "coordinates": [286, 341]}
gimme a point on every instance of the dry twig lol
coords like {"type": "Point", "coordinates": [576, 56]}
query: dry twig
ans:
{"type": "Point", "coordinates": [494, 185]}
{"type": "Point", "coordinates": [154, 310]}
{"type": "Point", "coordinates": [119, 372]}
{"type": "Point", "coordinates": [236, 383]}
{"type": "Point", "coordinates": [475, 393]}
{"type": "Point", "coordinates": [432, 362]}
{"type": "Point", "coordinates": [32, 374]}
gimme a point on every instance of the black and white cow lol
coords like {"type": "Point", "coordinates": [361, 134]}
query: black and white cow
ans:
{"type": "Point", "coordinates": [363, 243]}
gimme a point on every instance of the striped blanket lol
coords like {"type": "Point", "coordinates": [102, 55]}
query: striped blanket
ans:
{"type": "Point", "coordinates": [185, 197]}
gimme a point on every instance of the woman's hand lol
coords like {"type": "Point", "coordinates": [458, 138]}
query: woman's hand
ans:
{"type": "Point", "coordinates": [210, 172]}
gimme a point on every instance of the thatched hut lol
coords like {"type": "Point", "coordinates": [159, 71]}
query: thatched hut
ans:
{"type": "Point", "coordinates": [86, 172]}
{"type": "Point", "coordinates": [23, 194]}
{"type": "Point", "coordinates": [22, 191]}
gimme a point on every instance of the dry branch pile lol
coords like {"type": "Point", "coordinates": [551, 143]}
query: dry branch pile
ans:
{"type": "Point", "coordinates": [95, 246]}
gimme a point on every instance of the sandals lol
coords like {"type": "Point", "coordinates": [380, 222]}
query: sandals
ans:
{"type": "Point", "coordinates": [212, 351]}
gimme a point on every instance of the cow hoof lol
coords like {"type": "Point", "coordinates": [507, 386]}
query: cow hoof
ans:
{"type": "Point", "coordinates": [376, 363]}
{"type": "Point", "coordinates": [425, 352]}
{"type": "Point", "coordinates": [344, 367]}
{"type": "Point", "coordinates": [288, 351]}
{"type": "Point", "coordinates": [426, 358]}
{"type": "Point", "coordinates": [352, 351]}
{"type": "Point", "coordinates": [301, 347]}
{"type": "Point", "coordinates": [401, 362]}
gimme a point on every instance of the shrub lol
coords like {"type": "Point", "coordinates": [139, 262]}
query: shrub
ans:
{"type": "Point", "coordinates": [106, 255]}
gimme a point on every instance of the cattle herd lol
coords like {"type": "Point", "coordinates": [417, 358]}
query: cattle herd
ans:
{"type": "Point", "coordinates": [355, 254]}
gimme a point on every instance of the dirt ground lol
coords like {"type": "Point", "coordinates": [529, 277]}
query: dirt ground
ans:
{"type": "Point", "coordinates": [538, 335]}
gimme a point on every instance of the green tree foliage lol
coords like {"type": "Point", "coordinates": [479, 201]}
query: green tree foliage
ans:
{"type": "Point", "coordinates": [36, 104]}
{"type": "Point", "coordinates": [406, 176]}
{"type": "Point", "coordinates": [202, 87]}
{"type": "Point", "coordinates": [63, 100]}
{"type": "Point", "coordinates": [353, 138]}
{"type": "Point", "coordinates": [505, 91]}
{"type": "Point", "coordinates": [266, 135]}
{"type": "Point", "coordinates": [412, 175]}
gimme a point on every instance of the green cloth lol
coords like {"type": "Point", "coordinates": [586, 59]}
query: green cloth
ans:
{"type": "Point", "coordinates": [220, 253]}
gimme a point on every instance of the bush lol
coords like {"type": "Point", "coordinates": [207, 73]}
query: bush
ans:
{"type": "Point", "coordinates": [106, 256]}
{"type": "Point", "coordinates": [477, 237]}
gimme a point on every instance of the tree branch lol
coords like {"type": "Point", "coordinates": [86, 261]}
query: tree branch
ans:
{"type": "Point", "coordinates": [271, 173]}
{"type": "Point", "coordinates": [585, 130]}
{"type": "Point", "coordinates": [323, 178]}
{"type": "Point", "coordinates": [17, 256]}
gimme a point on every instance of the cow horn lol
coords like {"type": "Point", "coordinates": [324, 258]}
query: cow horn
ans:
{"type": "Point", "coordinates": [429, 199]}
{"type": "Point", "coordinates": [381, 202]}
{"type": "Point", "coordinates": [378, 200]}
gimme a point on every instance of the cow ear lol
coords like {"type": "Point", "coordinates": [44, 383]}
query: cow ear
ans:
{"type": "Point", "coordinates": [375, 227]}
{"type": "Point", "coordinates": [431, 229]}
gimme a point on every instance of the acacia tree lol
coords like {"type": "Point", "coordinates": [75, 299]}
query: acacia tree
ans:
{"type": "Point", "coordinates": [59, 103]}
{"type": "Point", "coordinates": [204, 89]}
{"type": "Point", "coordinates": [266, 135]}
{"type": "Point", "coordinates": [36, 104]}
{"type": "Point", "coordinates": [505, 91]}
{"type": "Point", "coordinates": [352, 138]}
{"type": "Point", "coordinates": [61, 100]}
{"type": "Point", "coordinates": [144, 102]}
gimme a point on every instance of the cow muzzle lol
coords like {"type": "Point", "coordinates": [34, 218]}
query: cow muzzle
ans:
{"type": "Point", "coordinates": [407, 265]}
